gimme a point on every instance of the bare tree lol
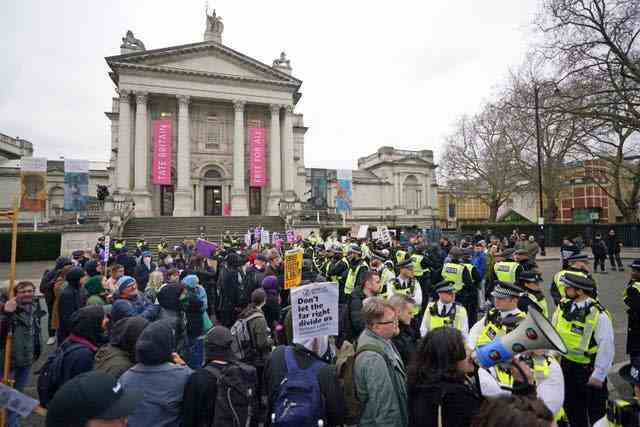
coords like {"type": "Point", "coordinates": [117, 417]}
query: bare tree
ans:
{"type": "Point", "coordinates": [561, 135]}
{"type": "Point", "coordinates": [594, 44]}
{"type": "Point", "coordinates": [615, 151]}
{"type": "Point", "coordinates": [479, 160]}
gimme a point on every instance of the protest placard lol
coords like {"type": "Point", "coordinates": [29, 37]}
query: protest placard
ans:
{"type": "Point", "coordinates": [107, 244]}
{"type": "Point", "coordinates": [264, 238]}
{"type": "Point", "coordinates": [205, 247]}
{"type": "Point", "coordinates": [15, 401]}
{"type": "Point", "coordinates": [385, 236]}
{"type": "Point", "coordinates": [292, 268]}
{"type": "Point", "coordinates": [314, 311]}
{"type": "Point", "coordinates": [362, 231]}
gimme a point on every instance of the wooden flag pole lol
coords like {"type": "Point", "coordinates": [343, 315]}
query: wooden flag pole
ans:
{"type": "Point", "coordinates": [6, 379]}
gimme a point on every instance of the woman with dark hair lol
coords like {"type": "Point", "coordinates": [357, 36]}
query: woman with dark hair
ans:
{"type": "Point", "coordinates": [445, 386]}
{"type": "Point", "coordinates": [514, 411]}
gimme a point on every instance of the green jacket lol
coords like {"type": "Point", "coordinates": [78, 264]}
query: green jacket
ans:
{"type": "Point", "coordinates": [382, 391]}
{"type": "Point", "coordinates": [23, 339]}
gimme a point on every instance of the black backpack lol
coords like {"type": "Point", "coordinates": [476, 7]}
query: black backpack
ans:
{"type": "Point", "coordinates": [236, 397]}
{"type": "Point", "coordinates": [50, 375]}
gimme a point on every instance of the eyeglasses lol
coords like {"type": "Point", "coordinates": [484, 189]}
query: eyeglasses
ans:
{"type": "Point", "coordinates": [388, 322]}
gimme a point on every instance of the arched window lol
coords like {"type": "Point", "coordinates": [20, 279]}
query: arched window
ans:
{"type": "Point", "coordinates": [212, 174]}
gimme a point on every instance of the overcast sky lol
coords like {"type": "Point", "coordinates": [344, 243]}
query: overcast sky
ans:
{"type": "Point", "coordinates": [374, 73]}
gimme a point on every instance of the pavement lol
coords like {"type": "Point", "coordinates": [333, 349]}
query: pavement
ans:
{"type": "Point", "coordinates": [610, 286]}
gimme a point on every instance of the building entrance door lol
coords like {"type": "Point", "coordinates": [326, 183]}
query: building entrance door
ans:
{"type": "Point", "coordinates": [255, 198]}
{"type": "Point", "coordinates": [166, 200]}
{"type": "Point", "coordinates": [213, 200]}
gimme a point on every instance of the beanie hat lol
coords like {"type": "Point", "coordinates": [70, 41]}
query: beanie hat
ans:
{"type": "Point", "coordinates": [270, 285]}
{"type": "Point", "coordinates": [94, 286]}
{"type": "Point", "coordinates": [190, 281]}
{"type": "Point", "coordinates": [169, 296]}
{"type": "Point", "coordinates": [91, 267]}
{"type": "Point", "coordinates": [156, 343]}
{"type": "Point", "coordinates": [218, 344]}
{"type": "Point", "coordinates": [123, 283]}
{"type": "Point", "coordinates": [75, 274]}
{"type": "Point", "coordinates": [120, 309]}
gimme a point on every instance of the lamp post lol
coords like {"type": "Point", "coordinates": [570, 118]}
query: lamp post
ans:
{"type": "Point", "coordinates": [536, 92]}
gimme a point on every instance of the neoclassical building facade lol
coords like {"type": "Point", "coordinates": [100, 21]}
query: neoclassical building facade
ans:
{"type": "Point", "coordinates": [212, 94]}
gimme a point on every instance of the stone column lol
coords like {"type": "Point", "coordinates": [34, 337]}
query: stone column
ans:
{"type": "Point", "coordinates": [124, 144]}
{"type": "Point", "coordinates": [275, 162]}
{"type": "Point", "coordinates": [396, 192]}
{"type": "Point", "coordinates": [183, 202]}
{"type": "Point", "coordinates": [238, 194]}
{"type": "Point", "coordinates": [141, 194]}
{"type": "Point", "coordinates": [287, 153]}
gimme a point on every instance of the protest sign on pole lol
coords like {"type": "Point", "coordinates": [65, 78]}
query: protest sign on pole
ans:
{"type": "Point", "coordinates": [247, 239]}
{"type": "Point", "coordinates": [292, 268]}
{"type": "Point", "coordinates": [362, 232]}
{"type": "Point", "coordinates": [107, 247]}
{"type": "Point", "coordinates": [264, 238]}
{"type": "Point", "coordinates": [314, 311]}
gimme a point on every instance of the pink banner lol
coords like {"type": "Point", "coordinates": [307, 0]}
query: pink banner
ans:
{"type": "Point", "coordinates": [162, 151]}
{"type": "Point", "coordinates": [257, 157]}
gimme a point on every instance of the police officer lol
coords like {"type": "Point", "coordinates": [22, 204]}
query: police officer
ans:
{"type": "Point", "coordinates": [385, 269]}
{"type": "Point", "coordinates": [500, 319]}
{"type": "Point", "coordinates": [577, 264]}
{"type": "Point", "coordinates": [504, 318]}
{"type": "Point", "coordinates": [624, 412]}
{"type": "Point", "coordinates": [467, 292]}
{"type": "Point", "coordinates": [338, 270]}
{"type": "Point", "coordinates": [320, 260]}
{"type": "Point", "coordinates": [445, 311]}
{"type": "Point", "coordinates": [521, 256]}
{"type": "Point", "coordinates": [587, 331]}
{"type": "Point", "coordinates": [507, 270]}
{"type": "Point", "coordinates": [533, 296]}
{"type": "Point", "coordinates": [632, 301]}
{"type": "Point", "coordinates": [406, 284]}
{"type": "Point", "coordinates": [357, 267]}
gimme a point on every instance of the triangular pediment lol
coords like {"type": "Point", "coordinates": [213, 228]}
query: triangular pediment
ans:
{"type": "Point", "coordinates": [205, 58]}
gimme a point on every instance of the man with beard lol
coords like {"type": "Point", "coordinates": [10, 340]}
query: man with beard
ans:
{"type": "Point", "coordinates": [21, 314]}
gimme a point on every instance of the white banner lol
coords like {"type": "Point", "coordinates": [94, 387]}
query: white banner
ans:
{"type": "Point", "coordinates": [76, 166]}
{"type": "Point", "coordinates": [314, 311]}
{"type": "Point", "coordinates": [33, 164]}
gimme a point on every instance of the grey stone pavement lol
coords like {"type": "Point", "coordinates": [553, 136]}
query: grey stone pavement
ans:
{"type": "Point", "coordinates": [611, 287]}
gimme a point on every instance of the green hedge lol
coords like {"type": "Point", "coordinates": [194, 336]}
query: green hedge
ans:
{"type": "Point", "coordinates": [32, 246]}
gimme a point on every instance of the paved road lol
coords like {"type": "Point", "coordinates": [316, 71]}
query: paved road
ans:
{"type": "Point", "coordinates": [610, 286]}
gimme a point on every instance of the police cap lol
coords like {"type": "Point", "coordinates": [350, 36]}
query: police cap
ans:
{"type": "Point", "coordinates": [444, 286]}
{"type": "Point", "coordinates": [635, 265]}
{"type": "Point", "coordinates": [578, 257]}
{"type": "Point", "coordinates": [578, 282]}
{"type": "Point", "coordinates": [506, 290]}
{"type": "Point", "coordinates": [406, 264]}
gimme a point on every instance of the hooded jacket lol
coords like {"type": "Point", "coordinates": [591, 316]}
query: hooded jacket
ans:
{"type": "Point", "coordinates": [161, 381]}
{"type": "Point", "coordinates": [119, 355]}
{"type": "Point", "coordinates": [85, 335]}
{"type": "Point", "coordinates": [70, 301]}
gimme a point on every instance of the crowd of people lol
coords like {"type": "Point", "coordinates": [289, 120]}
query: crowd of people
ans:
{"type": "Point", "coordinates": [175, 338]}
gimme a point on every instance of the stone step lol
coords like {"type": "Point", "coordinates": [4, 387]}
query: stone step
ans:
{"type": "Point", "coordinates": [176, 229]}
